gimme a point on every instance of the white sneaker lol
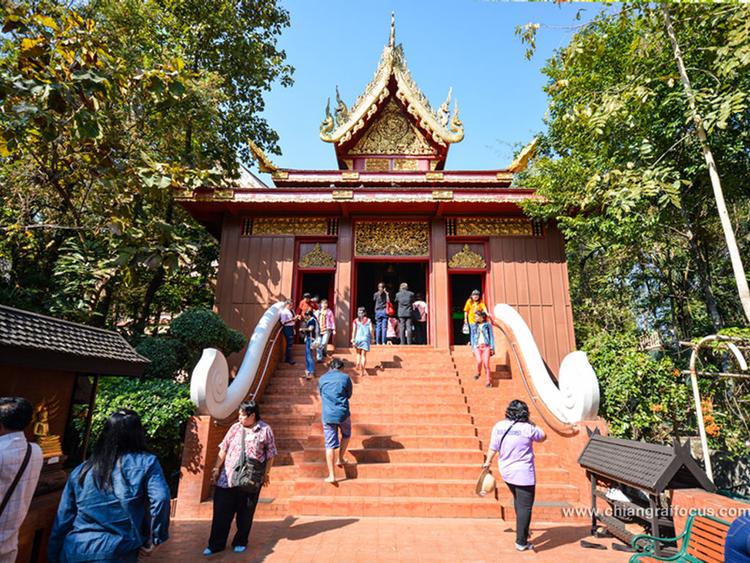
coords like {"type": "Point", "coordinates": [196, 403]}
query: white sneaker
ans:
{"type": "Point", "coordinates": [527, 547]}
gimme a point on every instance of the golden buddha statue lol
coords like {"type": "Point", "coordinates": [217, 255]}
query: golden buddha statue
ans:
{"type": "Point", "coordinates": [49, 443]}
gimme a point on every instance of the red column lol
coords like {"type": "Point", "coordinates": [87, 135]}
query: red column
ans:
{"type": "Point", "coordinates": [439, 319]}
{"type": "Point", "coordinates": [343, 281]}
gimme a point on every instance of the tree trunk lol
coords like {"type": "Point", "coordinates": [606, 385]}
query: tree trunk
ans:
{"type": "Point", "coordinates": [704, 273]}
{"type": "Point", "coordinates": [154, 285]}
{"type": "Point", "coordinates": [726, 225]}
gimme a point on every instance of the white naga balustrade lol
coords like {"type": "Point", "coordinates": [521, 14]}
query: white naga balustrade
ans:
{"type": "Point", "coordinates": [577, 397]}
{"type": "Point", "coordinates": [209, 385]}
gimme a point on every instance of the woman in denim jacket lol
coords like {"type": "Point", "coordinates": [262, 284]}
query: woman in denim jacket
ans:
{"type": "Point", "coordinates": [115, 505]}
{"type": "Point", "coordinates": [483, 345]}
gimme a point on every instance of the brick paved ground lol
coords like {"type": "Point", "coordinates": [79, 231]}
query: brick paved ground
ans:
{"type": "Point", "coordinates": [343, 539]}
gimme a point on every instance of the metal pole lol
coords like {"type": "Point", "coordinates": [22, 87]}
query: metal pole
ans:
{"type": "Point", "coordinates": [698, 409]}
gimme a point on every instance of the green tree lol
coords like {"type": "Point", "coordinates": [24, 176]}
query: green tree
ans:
{"type": "Point", "coordinates": [643, 110]}
{"type": "Point", "coordinates": [105, 110]}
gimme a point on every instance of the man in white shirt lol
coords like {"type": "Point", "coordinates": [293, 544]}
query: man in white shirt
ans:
{"type": "Point", "coordinates": [287, 318]}
{"type": "Point", "coordinates": [15, 415]}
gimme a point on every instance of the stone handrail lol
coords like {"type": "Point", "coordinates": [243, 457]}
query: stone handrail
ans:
{"type": "Point", "coordinates": [577, 397]}
{"type": "Point", "coordinates": [210, 390]}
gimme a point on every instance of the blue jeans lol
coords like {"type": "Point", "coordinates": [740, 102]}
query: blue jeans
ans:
{"type": "Point", "coordinates": [309, 359]}
{"type": "Point", "coordinates": [325, 336]}
{"type": "Point", "coordinates": [381, 326]}
{"type": "Point", "coordinates": [289, 337]}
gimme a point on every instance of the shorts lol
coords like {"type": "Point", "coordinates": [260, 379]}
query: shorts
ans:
{"type": "Point", "coordinates": [331, 432]}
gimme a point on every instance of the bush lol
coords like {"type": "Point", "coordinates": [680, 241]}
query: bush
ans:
{"type": "Point", "coordinates": [164, 407]}
{"type": "Point", "coordinates": [165, 354]}
{"type": "Point", "coordinates": [201, 328]}
{"type": "Point", "coordinates": [642, 397]}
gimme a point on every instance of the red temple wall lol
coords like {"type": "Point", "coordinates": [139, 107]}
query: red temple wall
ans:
{"type": "Point", "coordinates": [254, 273]}
{"type": "Point", "coordinates": [531, 274]}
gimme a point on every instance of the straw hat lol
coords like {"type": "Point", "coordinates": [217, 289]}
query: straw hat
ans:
{"type": "Point", "coordinates": [485, 483]}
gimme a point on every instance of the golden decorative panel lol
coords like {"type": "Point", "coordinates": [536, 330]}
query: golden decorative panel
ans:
{"type": "Point", "coordinates": [434, 176]}
{"type": "Point", "coordinates": [494, 226]}
{"type": "Point", "coordinates": [467, 258]}
{"type": "Point", "coordinates": [352, 175]}
{"type": "Point", "coordinates": [342, 194]}
{"type": "Point", "coordinates": [290, 226]}
{"type": "Point", "coordinates": [377, 164]}
{"type": "Point", "coordinates": [442, 195]}
{"type": "Point", "coordinates": [392, 133]}
{"type": "Point", "coordinates": [317, 258]}
{"type": "Point", "coordinates": [405, 164]}
{"type": "Point", "coordinates": [392, 238]}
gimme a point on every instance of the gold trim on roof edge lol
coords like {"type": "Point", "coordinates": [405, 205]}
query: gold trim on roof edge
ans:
{"type": "Point", "coordinates": [443, 128]}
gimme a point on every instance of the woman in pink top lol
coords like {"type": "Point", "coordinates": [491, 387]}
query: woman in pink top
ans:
{"type": "Point", "coordinates": [513, 440]}
{"type": "Point", "coordinates": [327, 328]}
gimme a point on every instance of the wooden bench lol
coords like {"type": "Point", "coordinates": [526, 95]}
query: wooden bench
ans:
{"type": "Point", "coordinates": [702, 541]}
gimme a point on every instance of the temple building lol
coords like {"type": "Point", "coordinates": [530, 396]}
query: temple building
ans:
{"type": "Point", "coordinates": [393, 212]}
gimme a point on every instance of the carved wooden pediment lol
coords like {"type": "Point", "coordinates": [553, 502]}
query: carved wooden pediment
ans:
{"type": "Point", "coordinates": [392, 133]}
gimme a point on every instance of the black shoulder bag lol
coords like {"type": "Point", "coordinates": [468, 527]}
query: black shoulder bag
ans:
{"type": "Point", "coordinates": [248, 473]}
{"type": "Point", "coordinates": [14, 484]}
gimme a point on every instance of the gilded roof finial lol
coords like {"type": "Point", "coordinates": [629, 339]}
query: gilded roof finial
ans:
{"type": "Point", "coordinates": [327, 126]}
{"type": "Point", "coordinates": [445, 109]}
{"type": "Point", "coordinates": [392, 39]}
{"type": "Point", "coordinates": [457, 126]}
{"type": "Point", "coordinates": [264, 163]}
{"type": "Point", "coordinates": [342, 112]}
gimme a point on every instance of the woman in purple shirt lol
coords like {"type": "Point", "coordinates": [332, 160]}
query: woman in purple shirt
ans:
{"type": "Point", "coordinates": [513, 439]}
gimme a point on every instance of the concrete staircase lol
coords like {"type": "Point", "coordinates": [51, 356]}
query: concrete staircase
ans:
{"type": "Point", "coordinates": [420, 425]}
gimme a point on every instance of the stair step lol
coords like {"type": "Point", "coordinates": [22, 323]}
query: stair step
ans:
{"type": "Point", "coordinates": [366, 428]}
{"type": "Point", "coordinates": [429, 507]}
{"type": "Point", "coordinates": [390, 471]}
{"type": "Point", "coordinates": [366, 409]}
{"type": "Point", "coordinates": [403, 441]}
{"type": "Point", "coordinates": [433, 488]}
{"type": "Point", "coordinates": [410, 455]}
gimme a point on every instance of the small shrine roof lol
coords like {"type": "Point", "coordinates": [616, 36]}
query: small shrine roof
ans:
{"type": "Point", "coordinates": [33, 340]}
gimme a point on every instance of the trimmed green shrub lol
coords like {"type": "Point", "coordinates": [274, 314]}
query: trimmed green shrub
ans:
{"type": "Point", "coordinates": [164, 407]}
{"type": "Point", "coordinates": [165, 354]}
{"type": "Point", "coordinates": [200, 328]}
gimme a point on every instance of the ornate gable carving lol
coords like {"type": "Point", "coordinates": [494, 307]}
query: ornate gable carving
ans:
{"type": "Point", "coordinates": [392, 133]}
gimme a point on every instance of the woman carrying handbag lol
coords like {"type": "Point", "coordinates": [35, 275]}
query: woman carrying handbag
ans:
{"type": "Point", "coordinates": [513, 438]}
{"type": "Point", "coordinates": [245, 458]}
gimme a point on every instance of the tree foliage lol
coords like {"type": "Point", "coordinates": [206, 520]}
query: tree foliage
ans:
{"type": "Point", "coordinates": [104, 109]}
{"type": "Point", "coordinates": [622, 173]}
{"type": "Point", "coordinates": [174, 354]}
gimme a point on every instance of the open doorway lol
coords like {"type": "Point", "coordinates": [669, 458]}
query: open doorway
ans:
{"type": "Point", "coordinates": [461, 286]}
{"type": "Point", "coordinates": [392, 274]}
{"type": "Point", "coordinates": [316, 283]}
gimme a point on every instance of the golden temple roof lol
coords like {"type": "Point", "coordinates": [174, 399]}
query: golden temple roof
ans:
{"type": "Point", "coordinates": [345, 122]}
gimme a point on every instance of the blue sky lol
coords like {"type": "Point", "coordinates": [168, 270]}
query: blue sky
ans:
{"type": "Point", "coordinates": [467, 44]}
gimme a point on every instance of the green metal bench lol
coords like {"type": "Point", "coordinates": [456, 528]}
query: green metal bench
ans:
{"type": "Point", "coordinates": [702, 542]}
